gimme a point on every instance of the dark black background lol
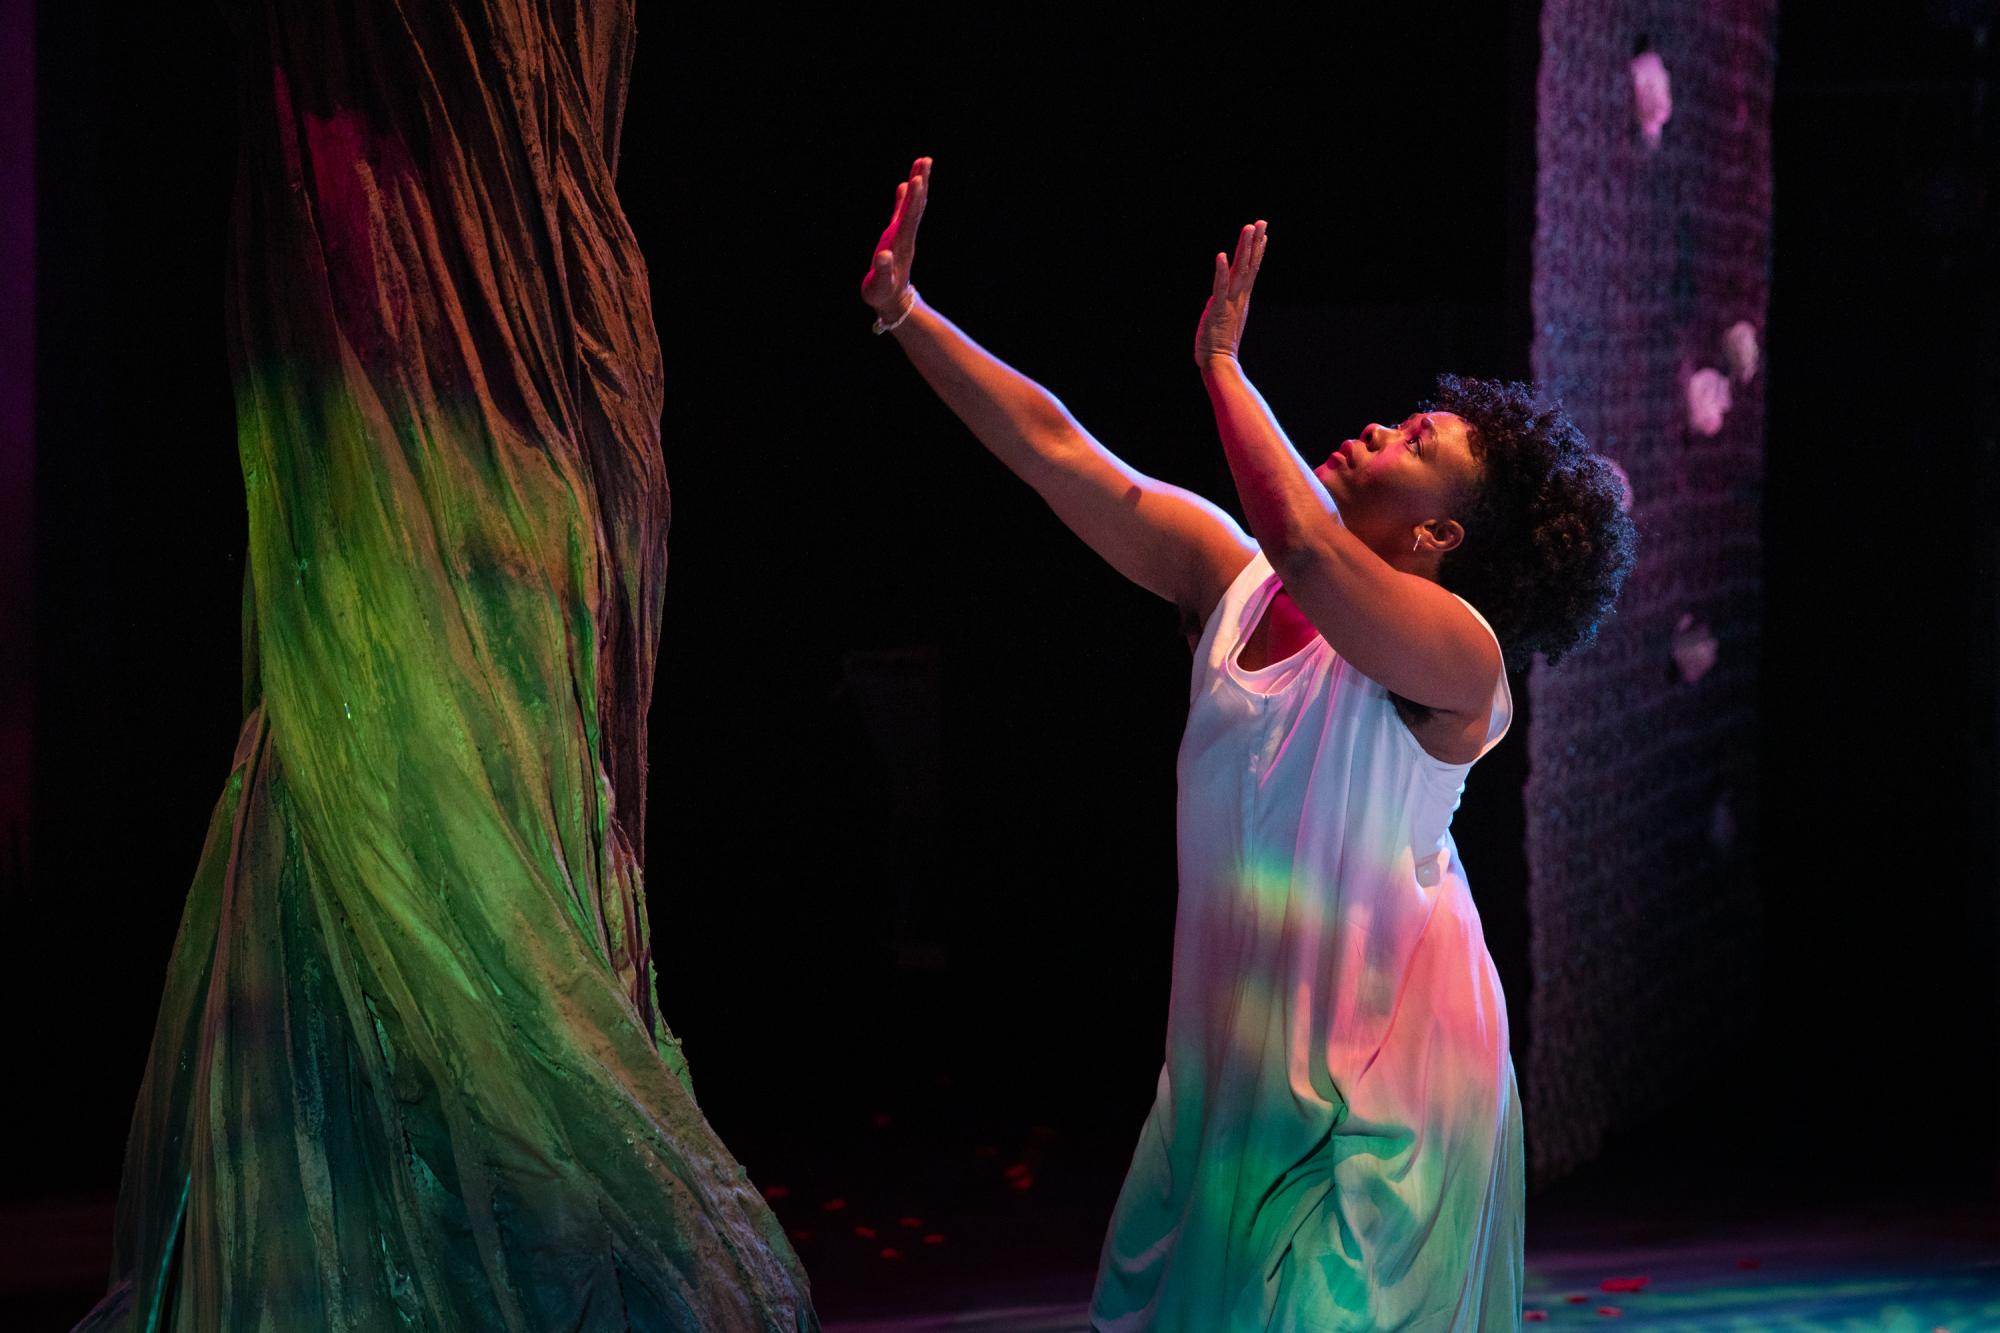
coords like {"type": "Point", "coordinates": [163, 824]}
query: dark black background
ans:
{"type": "Point", "coordinates": [972, 891]}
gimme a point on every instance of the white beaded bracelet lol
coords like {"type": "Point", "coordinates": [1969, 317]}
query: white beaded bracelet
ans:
{"type": "Point", "coordinates": [880, 327]}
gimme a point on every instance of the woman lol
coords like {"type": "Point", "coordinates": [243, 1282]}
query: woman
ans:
{"type": "Point", "coordinates": [1336, 1139]}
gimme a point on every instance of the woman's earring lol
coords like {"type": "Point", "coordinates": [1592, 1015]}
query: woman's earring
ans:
{"type": "Point", "coordinates": [1418, 542]}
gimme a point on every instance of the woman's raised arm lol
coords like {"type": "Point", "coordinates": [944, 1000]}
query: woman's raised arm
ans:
{"type": "Point", "coordinates": [1168, 540]}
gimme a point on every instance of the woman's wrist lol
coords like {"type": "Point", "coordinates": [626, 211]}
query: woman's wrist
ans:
{"type": "Point", "coordinates": [883, 324]}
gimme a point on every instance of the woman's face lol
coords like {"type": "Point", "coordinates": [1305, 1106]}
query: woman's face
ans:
{"type": "Point", "coordinates": [1391, 480]}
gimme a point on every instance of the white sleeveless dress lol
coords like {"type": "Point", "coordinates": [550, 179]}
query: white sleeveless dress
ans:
{"type": "Point", "coordinates": [1336, 1139]}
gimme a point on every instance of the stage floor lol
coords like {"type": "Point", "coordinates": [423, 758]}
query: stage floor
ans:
{"type": "Point", "coordinates": [1881, 1272]}
{"type": "Point", "coordinates": [1894, 1275]}
{"type": "Point", "coordinates": [931, 1207]}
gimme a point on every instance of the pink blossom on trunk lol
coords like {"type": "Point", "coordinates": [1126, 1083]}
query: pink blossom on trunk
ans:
{"type": "Point", "coordinates": [1707, 400]}
{"type": "Point", "coordinates": [1740, 346]}
{"type": "Point", "coordinates": [1652, 95]}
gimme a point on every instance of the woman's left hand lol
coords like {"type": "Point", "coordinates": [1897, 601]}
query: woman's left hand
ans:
{"type": "Point", "coordinates": [1221, 328]}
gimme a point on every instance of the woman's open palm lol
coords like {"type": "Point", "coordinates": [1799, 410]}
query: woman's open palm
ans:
{"type": "Point", "coordinates": [1221, 329]}
{"type": "Point", "coordinates": [888, 280]}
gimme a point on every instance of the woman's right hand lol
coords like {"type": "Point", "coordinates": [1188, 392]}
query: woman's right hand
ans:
{"type": "Point", "coordinates": [886, 289]}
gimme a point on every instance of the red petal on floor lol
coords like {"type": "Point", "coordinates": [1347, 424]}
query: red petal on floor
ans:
{"type": "Point", "coordinates": [934, 1238]}
{"type": "Point", "coordinates": [1610, 1311]}
{"type": "Point", "coordinates": [913, 1223]}
{"type": "Point", "coordinates": [866, 1233]}
{"type": "Point", "coordinates": [834, 1205]}
{"type": "Point", "coordinates": [1022, 1182]}
{"type": "Point", "coordinates": [775, 1191]}
{"type": "Point", "coordinates": [1577, 1300]}
{"type": "Point", "coordinates": [802, 1234]}
{"type": "Point", "coordinates": [891, 1252]}
{"type": "Point", "coordinates": [1534, 1316]}
{"type": "Point", "coordinates": [1622, 1284]}
{"type": "Point", "coordinates": [1015, 1169]}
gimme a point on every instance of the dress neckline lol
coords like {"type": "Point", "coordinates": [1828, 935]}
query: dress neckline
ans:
{"type": "Point", "coordinates": [1256, 607]}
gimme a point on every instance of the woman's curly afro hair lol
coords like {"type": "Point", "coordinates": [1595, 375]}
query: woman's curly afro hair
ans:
{"type": "Point", "coordinates": [1548, 543]}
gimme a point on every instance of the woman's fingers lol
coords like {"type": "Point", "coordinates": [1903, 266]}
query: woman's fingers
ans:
{"type": "Point", "coordinates": [910, 196]}
{"type": "Point", "coordinates": [1249, 255]}
{"type": "Point", "coordinates": [919, 193]}
{"type": "Point", "coordinates": [1249, 249]}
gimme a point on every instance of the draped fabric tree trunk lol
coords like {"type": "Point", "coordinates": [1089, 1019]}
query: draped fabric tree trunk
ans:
{"type": "Point", "coordinates": [409, 1070]}
{"type": "Point", "coordinates": [1642, 800]}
